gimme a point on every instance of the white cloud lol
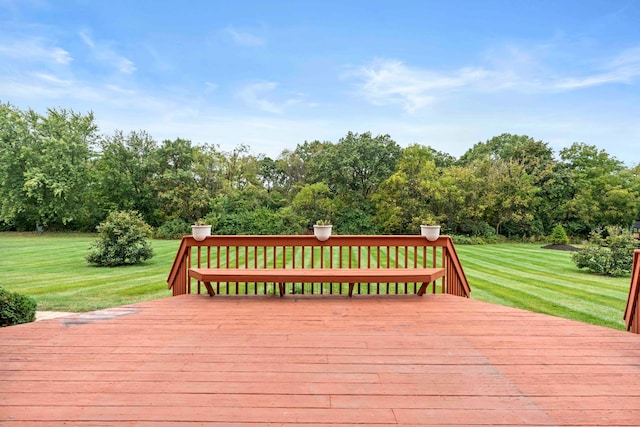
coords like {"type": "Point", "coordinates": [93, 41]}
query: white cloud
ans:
{"type": "Point", "coordinates": [34, 50]}
{"type": "Point", "coordinates": [244, 38]}
{"type": "Point", "coordinates": [50, 79]}
{"type": "Point", "coordinates": [38, 89]}
{"type": "Point", "coordinates": [210, 87]}
{"type": "Point", "coordinates": [255, 95]}
{"type": "Point", "coordinates": [87, 40]}
{"type": "Point", "coordinates": [389, 82]}
{"type": "Point", "coordinates": [105, 54]}
{"type": "Point", "coordinates": [392, 82]}
{"type": "Point", "coordinates": [623, 68]}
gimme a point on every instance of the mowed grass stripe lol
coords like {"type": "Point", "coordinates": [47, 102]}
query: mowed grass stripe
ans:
{"type": "Point", "coordinates": [560, 303]}
{"type": "Point", "coordinates": [52, 268]}
{"type": "Point", "coordinates": [549, 281]}
{"type": "Point", "coordinates": [511, 275]}
{"type": "Point", "coordinates": [559, 267]}
{"type": "Point", "coordinates": [581, 311]}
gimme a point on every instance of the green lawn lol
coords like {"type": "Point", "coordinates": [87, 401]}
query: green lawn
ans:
{"type": "Point", "coordinates": [545, 281]}
{"type": "Point", "coordinates": [52, 269]}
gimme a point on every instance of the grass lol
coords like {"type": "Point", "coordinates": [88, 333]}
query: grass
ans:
{"type": "Point", "coordinates": [52, 269]}
{"type": "Point", "coordinates": [545, 281]}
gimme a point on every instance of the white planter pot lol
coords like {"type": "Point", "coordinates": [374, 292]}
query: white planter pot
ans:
{"type": "Point", "coordinates": [431, 232]}
{"type": "Point", "coordinates": [200, 232]}
{"type": "Point", "coordinates": [322, 232]}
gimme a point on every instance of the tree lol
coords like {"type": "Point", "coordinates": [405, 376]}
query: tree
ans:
{"type": "Point", "coordinates": [504, 147]}
{"type": "Point", "coordinates": [44, 170]}
{"type": "Point", "coordinates": [314, 202]}
{"type": "Point", "coordinates": [125, 174]}
{"type": "Point", "coordinates": [587, 161]}
{"type": "Point", "coordinates": [406, 196]}
{"type": "Point", "coordinates": [602, 191]}
{"type": "Point", "coordinates": [122, 240]}
{"type": "Point", "coordinates": [180, 195]}
{"type": "Point", "coordinates": [14, 131]}
{"type": "Point", "coordinates": [240, 169]}
{"type": "Point", "coordinates": [559, 235]}
{"type": "Point", "coordinates": [208, 169]}
{"type": "Point", "coordinates": [247, 211]}
{"type": "Point", "coordinates": [419, 189]}
{"type": "Point", "coordinates": [359, 163]}
{"type": "Point", "coordinates": [459, 201]}
{"type": "Point", "coordinates": [510, 197]}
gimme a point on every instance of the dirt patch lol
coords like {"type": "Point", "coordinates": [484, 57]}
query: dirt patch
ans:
{"type": "Point", "coordinates": [562, 248]}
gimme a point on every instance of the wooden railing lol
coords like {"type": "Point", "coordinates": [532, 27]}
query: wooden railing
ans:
{"type": "Point", "coordinates": [632, 311]}
{"type": "Point", "coordinates": [306, 251]}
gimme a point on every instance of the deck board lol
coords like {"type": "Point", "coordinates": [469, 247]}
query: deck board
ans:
{"type": "Point", "coordinates": [330, 360]}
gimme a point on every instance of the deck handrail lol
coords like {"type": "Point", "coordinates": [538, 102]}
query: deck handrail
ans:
{"type": "Point", "coordinates": [632, 311]}
{"type": "Point", "coordinates": [456, 272]}
{"type": "Point", "coordinates": [190, 254]}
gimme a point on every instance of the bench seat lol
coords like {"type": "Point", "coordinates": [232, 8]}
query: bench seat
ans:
{"type": "Point", "coordinates": [317, 275]}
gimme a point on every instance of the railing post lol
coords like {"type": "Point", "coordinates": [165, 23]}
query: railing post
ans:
{"type": "Point", "coordinates": [632, 311]}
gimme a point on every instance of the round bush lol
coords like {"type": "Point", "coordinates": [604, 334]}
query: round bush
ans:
{"type": "Point", "coordinates": [122, 241]}
{"type": "Point", "coordinates": [16, 308]}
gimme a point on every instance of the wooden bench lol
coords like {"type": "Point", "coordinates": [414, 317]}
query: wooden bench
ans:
{"type": "Point", "coordinates": [343, 264]}
{"type": "Point", "coordinates": [317, 275]}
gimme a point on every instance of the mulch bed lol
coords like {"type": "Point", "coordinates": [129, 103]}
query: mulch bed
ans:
{"type": "Point", "coordinates": [562, 248]}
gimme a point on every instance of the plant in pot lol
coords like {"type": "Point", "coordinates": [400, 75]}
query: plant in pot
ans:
{"type": "Point", "coordinates": [322, 230]}
{"type": "Point", "coordinates": [200, 230]}
{"type": "Point", "coordinates": [430, 231]}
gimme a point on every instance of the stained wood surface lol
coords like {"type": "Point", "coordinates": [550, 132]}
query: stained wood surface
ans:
{"type": "Point", "coordinates": [317, 360]}
{"type": "Point", "coordinates": [310, 275]}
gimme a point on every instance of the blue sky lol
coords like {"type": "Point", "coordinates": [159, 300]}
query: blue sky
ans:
{"type": "Point", "coordinates": [272, 74]}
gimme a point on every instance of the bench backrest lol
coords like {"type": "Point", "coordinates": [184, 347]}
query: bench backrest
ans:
{"type": "Point", "coordinates": [341, 251]}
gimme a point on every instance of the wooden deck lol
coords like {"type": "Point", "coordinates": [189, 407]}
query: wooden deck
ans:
{"type": "Point", "coordinates": [330, 360]}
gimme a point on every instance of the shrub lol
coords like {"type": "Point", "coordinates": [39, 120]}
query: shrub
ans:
{"type": "Point", "coordinates": [467, 240]}
{"type": "Point", "coordinates": [122, 240]}
{"type": "Point", "coordinates": [16, 308]}
{"type": "Point", "coordinates": [609, 251]}
{"type": "Point", "coordinates": [593, 258]}
{"type": "Point", "coordinates": [174, 229]}
{"type": "Point", "coordinates": [559, 236]}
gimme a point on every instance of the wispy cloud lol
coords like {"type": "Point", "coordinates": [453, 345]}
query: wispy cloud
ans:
{"type": "Point", "coordinates": [210, 87]}
{"type": "Point", "coordinates": [389, 81]}
{"type": "Point", "coordinates": [255, 96]}
{"type": "Point", "coordinates": [623, 68]}
{"type": "Point", "coordinates": [392, 82]}
{"type": "Point", "coordinates": [47, 89]}
{"type": "Point", "coordinates": [244, 38]}
{"type": "Point", "coordinates": [34, 50]}
{"type": "Point", "coordinates": [106, 54]}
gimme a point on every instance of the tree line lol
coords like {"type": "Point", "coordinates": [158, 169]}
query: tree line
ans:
{"type": "Point", "coordinates": [59, 173]}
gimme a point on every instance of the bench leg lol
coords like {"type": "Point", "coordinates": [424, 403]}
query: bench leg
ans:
{"type": "Point", "coordinates": [422, 289]}
{"type": "Point", "coordinates": [281, 286]}
{"type": "Point", "coordinates": [209, 288]}
{"type": "Point", "coordinates": [351, 289]}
